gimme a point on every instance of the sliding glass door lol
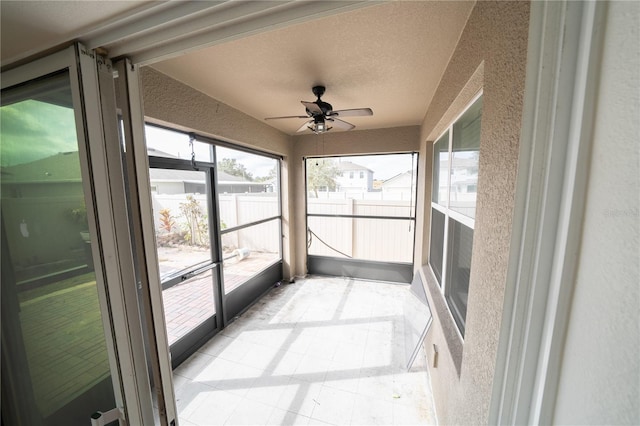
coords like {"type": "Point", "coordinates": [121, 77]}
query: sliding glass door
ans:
{"type": "Point", "coordinates": [50, 302]}
{"type": "Point", "coordinates": [64, 341]}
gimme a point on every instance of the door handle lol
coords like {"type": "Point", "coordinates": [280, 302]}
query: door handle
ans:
{"type": "Point", "coordinates": [100, 419]}
{"type": "Point", "coordinates": [199, 271]}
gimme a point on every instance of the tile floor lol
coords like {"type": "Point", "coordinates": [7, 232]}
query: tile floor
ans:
{"type": "Point", "coordinates": [320, 351]}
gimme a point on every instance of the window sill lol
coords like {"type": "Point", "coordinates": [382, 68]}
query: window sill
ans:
{"type": "Point", "coordinates": [455, 344]}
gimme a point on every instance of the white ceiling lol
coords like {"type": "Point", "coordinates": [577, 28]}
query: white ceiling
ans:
{"type": "Point", "coordinates": [389, 57]}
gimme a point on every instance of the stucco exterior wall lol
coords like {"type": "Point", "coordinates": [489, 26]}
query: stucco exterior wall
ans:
{"type": "Point", "coordinates": [491, 56]}
{"type": "Point", "coordinates": [391, 140]}
{"type": "Point", "coordinates": [599, 380]}
{"type": "Point", "coordinates": [169, 102]}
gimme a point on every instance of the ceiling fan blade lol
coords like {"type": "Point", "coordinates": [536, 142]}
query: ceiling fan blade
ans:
{"type": "Point", "coordinates": [312, 106]}
{"type": "Point", "coordinates": [287, 116]}
{"type": "Point", "coordinates": [305, 126]}
{"type": "Point", "coordinates": [356, 112]}
{"type": "Point", "coordinates": [340, 124]}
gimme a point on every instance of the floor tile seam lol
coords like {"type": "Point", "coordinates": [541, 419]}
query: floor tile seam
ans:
{"type": "Point", "coordinates": [316, 406]}
{"type": "Point", "coordinates": [190, 381]}
{"type": "Point", "coordinates": [293, 412]}
{"type": "Point", "coordinates": [192, 412]}
{"type": "Point", "coordinates": [270, 405]}
{"type": "Point", "coordinates": [251, 401]}
{"type": "Point", "coordinates": [339, 389]}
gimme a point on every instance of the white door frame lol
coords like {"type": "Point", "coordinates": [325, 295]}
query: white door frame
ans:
{"type": "Point", "coordinates": [144, 243]}
{"type": "Point", "coordinates": [114, 266]}
{"type": "Point", "coordinates": [563, 67]}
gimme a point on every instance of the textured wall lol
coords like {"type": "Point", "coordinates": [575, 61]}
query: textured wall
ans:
{"type": "Point", "coordinates": [599, 379]}
{"type": "Point", "coordinates": [167, 101]}
{"type": "Point", "coordinates": [393, 140]}
{"type": "Point", "coordinates": [491, 53]}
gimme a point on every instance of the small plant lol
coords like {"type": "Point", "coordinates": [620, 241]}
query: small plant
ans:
{"type": "Point", "coordinates": [167, 223]}
{"type": "Point", "coordinates": [79, 216]}
{"type": "Point", "coordinates": [196, 224]}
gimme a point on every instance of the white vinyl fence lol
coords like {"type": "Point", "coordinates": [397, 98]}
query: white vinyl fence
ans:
{"type": "Point", "coordinates": [369, 239]}
{"type": "Point", "coordinates": [235, 209]}
{"type": "Point", "coordinates": [388, 240]}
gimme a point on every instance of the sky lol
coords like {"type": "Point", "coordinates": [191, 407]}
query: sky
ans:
{"type": "Point", "coordinates": [31, 130]}
{"type": "Point", "coordinates": [176, 143]}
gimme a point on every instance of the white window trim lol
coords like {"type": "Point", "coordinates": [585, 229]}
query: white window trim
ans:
{"type": "Point", "coordinates": [563, 67]}
{"type": "Point", "coordinates": [448, 213]}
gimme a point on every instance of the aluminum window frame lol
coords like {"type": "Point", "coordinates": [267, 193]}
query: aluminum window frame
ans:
{"type": "Point", "coordinates": [363, 268]}
{"type": "Point", "coordinates": [213, 164]}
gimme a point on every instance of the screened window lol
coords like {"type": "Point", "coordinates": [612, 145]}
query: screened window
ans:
{"type": "Point", "coordinates": [249, 204]}
{"type": "Point", "coordinates": [370, 218]}
{"type": "Point", "coordinates": [453, 209]}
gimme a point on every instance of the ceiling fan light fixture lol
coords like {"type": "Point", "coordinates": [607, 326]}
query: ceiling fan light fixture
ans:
{"type": "Point", "coordinates": [321, 127]}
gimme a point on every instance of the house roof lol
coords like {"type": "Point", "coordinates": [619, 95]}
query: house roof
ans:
{"type": "Point", "coordinates": [347, 166]}
{"type": "Point", "coordinates": [60, 167]}
{"type": "Point", "coordinates": [169, 175]}
{"type": "Point", "coordinates": [397, 178]}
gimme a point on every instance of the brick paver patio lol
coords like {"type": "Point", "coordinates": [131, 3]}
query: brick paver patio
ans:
{"type": "Point", "coordinates": [188, 304]}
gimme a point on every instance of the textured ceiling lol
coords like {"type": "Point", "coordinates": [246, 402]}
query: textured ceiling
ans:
{"type": "Point", "coordinates": [387, 57]}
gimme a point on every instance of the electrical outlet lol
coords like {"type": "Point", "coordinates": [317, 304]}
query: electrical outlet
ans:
{"type": "Point", "coordinates": [435, 356]}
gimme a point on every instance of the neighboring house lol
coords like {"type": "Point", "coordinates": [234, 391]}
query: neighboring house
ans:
{"type": "Point", "coordinates": [165, 181]}
{"type": "Point", "coordinates": [403, 182]}
{"type": "Point", "coordinates": [353, 177]}
{"type": "Point", "coordinates": [56, 174]}
{"type": "Point", "coordinates": [230, 184]}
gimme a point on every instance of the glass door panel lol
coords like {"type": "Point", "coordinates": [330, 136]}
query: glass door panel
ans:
{"type": "Point", "coordinates": [181, 217]}
{"type": "Point", "coordinates": [52, 328]}
{"type": "Point", "coordinates": [187, 305]}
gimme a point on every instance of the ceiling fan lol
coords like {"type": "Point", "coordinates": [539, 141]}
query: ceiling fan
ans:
{"type": "Point", "coordinates": [321, 115]}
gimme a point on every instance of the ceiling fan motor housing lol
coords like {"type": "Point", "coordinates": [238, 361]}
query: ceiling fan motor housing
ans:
{"type": "Point", "coordinates": [325, 107]}
{"type": "Point", "coordinates": [318, 91]}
